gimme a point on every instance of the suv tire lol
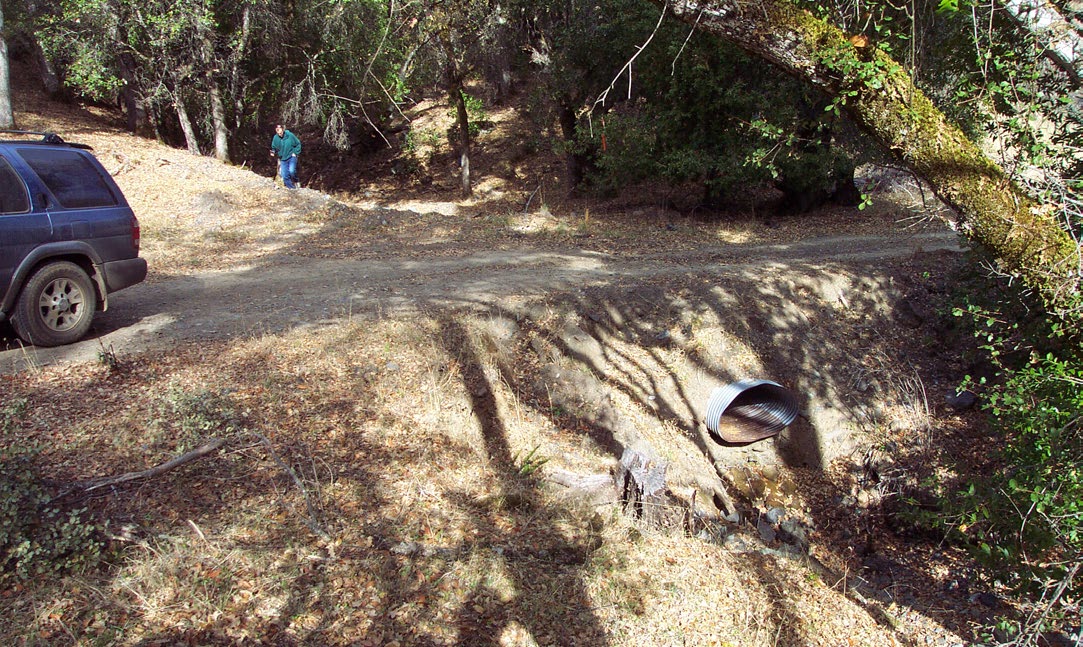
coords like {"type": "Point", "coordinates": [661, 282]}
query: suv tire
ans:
{"type": "Point", "coordinates": [56, 306]}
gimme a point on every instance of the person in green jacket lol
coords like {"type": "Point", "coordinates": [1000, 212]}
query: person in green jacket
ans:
{"type": "Point", "coordinates": [287, 148]}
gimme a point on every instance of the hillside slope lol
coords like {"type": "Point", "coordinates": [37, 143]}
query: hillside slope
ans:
{"type": "Point", "coordinates": [423, 403]}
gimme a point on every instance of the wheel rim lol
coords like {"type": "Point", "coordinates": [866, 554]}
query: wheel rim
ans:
{"type": "Point", "coordinates": [61, 304]}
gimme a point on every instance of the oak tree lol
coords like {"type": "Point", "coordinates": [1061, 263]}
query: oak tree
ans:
{"type": "Point", "coordinates": [880, 96]}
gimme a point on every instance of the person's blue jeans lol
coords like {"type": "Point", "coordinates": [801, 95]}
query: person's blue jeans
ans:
{"type": "Point", "coordinates": [287, 170]}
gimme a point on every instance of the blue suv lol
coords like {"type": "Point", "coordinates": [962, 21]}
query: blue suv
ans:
{"type": "Point", "coordinates": [67, 238]}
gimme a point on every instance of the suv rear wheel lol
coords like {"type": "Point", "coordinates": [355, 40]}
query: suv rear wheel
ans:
{"type": "Point", "coordinates": [56, 305]}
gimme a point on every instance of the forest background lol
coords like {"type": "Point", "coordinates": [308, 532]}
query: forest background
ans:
{"type": "Point", "coordinates": [980, 100]}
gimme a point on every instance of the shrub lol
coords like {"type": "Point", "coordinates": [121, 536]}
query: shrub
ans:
{"type": "Point", "coordinates": [1032, 509]}
{"type": "Point", "coordinates": [707, 123]}
{"type": "Point", "coordinates": [1026, 518]}
{"type": "Point", "coordinates": [187, 417]}
{"type": "Point", "coordinates": [36, 537]}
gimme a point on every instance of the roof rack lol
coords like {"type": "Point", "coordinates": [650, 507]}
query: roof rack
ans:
{"type": "Point", "coordinates": [46, 138]}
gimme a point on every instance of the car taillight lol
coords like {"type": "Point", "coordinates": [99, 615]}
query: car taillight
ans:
{"type": "Point", "coordinates": [135, 233]}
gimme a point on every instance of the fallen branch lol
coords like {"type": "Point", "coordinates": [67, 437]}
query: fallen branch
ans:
{"type": "Point", "coordinates": [310, 518]}
{"type": "Point", "coordinates": [598, 489]}
{"type": "Point", "coordinates": [531, 199]}
{"type": "Point", "coordinates": [109, 481]}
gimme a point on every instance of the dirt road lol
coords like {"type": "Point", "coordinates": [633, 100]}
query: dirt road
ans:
{"type": "Point", "coordinates": [284, 291]}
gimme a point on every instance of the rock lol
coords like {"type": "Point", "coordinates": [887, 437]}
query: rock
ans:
{"type": "Point", "coordinates": [985, 598]}
{"type": "Point", "coordinates": [503, 329]}
{"type": "Point", "coordinates": [899, 425]}
{"type": "Point", "coordinates": [959, 584]}
{"type": "Point", "coordinates": [405, 548]}
{"type": "Point", "coordinates": [737, 543]}
{"type": "Point", "coordinates": [961, 400]}
{"type": "Point", "coordinates": [793, 532]}
{"type": "Point", "coordinates": [767, 531]}
{"type": "Point", "coordinates": [578, 342]}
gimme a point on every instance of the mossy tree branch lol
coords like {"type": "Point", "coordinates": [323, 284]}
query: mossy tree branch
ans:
{"type": "Point", "coordinates": [1026, 237]}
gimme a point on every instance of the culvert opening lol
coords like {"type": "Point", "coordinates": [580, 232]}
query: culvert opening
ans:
{"type": "Point", "coordinates": [750, 410]}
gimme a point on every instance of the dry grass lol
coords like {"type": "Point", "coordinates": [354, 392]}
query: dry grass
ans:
{"type": "Point", "coordinates": [373, 491]}
{"type": "Point", "coordinates": [434, 537]}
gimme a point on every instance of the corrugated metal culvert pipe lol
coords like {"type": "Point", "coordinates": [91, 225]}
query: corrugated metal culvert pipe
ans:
{"type": "Point", "coordinates": [749, 410]}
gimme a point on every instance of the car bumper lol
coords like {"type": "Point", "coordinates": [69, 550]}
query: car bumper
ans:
{"type": "Point", "coordinates": [125, 273]}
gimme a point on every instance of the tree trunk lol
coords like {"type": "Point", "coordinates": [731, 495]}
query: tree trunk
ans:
{"type": "Point", "coordinates": [218, 118]}
{"type": "Point", "coordinates": [453, 76]}
{"type": "Point", "coordinates": [50, 80]}
{"type": "Point", "coordinates": [1025, 237]}
{"type": "Point", "coordinates": [156, 120]}
{"type": "Point", "coordinates": [574, 161]}
{"type": "Point", "coordinates": [186, 124]}
{"type": "Point", "coordinates": [218, 107]}
{"type": "Point", "coordinates": [133, 105]}
{"type": "Point", "coordinates": [462, 121]}
{"type": "Point", "coordinates": [236, 89]}
{"type": "Point", "coordinates": [407, 65]}
{"type": "Point", "coordinates": [7, 114]}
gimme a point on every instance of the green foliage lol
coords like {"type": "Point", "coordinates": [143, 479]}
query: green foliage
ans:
{"type": "Point", "coordinates": [88, 72]}
{"type": "Point", "coordinates": [75, 38]}
{"type": "Point", "coordinates": [529, 463]}
{"type": "Point", "coordinates": [631, 150]}
{"type": "Point", "coordinates": [859, 73]}
{"type": "Point", "coordinates": [994, 76]}
{"type": "Point", "coordinates": [315, 67]}
{"type": "Point", "coordinates": [185, 418]}
{"type": "Point", "coordinates": [693, 115]}
{"type": "Point", "coordinates": [107, 357]}
{"type": "Point", "coordinates": [343, 64]}
{"type": "Point", "coordinates": [36, 537]}
{"type": "Point", "coordinates": [1027, 517]}
{"type": "Point", "coordinates": [475, 109]}
{"type": "Point", "coordinates": [1021, 513]}
{"type": "Point", "coordinates": [417, 138]}
{"type": "Point", "coordinates": [475, 114]}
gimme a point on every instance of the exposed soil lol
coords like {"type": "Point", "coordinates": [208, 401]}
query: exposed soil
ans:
{"type": "Point", "coordinates": [285, 289]}
{"type": "Point", "coordinates": [398, 337]}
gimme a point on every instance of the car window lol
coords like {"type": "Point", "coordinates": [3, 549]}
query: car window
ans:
{"type": "Point", "coordinates": [13, 195]}
{"type": "Point", "coordinates": [70, 176]}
